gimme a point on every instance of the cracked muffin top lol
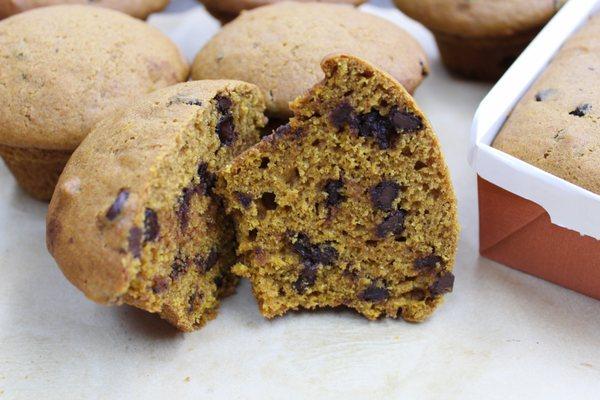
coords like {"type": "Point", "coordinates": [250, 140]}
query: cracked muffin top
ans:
{"type": "Point", "coordinates": [66, 67]}
{"type": "Point", "coordinates": [481, 18]}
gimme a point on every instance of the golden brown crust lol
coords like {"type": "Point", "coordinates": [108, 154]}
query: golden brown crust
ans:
{"type": "Point", "coordinates": [66, 67]}
{"type": "Point", "coordinates": [279, 48]}
{"type": "Point", "coordinates": [136, 8]}
{"type": "Point", "coordinates": [481, 18]}
{"type": "Point", "coordinates": [556, 125]}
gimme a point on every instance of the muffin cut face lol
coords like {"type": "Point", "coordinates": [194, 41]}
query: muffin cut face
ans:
{"type": "Point", "coordinates": [164, 234]}
{"type": "Point", "coordinates": [350, 204]}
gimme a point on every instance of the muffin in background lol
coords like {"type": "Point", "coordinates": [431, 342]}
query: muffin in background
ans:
{"type": "Point", "coordinates": [135, 8]}
{"type": "Point", "coordinates": [226, 10]}
{"type": "Point", "coordinates": [481, 39]}
{"type": "Point", "coordinates": [279, 48]}
{"type": "Point", "coordinates": [65, 68]}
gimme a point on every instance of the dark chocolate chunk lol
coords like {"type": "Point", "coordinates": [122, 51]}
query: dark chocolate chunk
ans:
{"type": "Point", "coordinates": [378, 127]}
{"type": "Point", "coordinates": [204, 264]}
{"type": "Point", "coordinates": [332, 188]}
{"type": "Point", "coordinates": [283, 130]}
{"type": "Point", "coordinates": [223, 104]}
{"type": "Point", "coordinates": [428, 262]}
{"type": "Point", "coordinates": [178, 268]}
{"type": "Point", "coordinates": [581, 110]}
{"type": "Point", "coordinates": [384, 194]}
{"type": "Point", "coordinates": [219, 281]}
{"type": "Point", "coordinates": [323, 253]}
{"type": "Point", "coordinates": [244, 199]}
{"type": "Point", "coordinates": [226, 130]}
{"type": "Point", "coordinates": [208, 180]}
{"type": "Point", "coordinates": [374, 293]}
{"type": "Point", "coordinates": [134, 241]}
{"type": "Point", "coordinates": [307, 278]}
{"type": "Point", "coordinates": [393, 223]}
{"type": "Point", "coordinates": [443, 284]}
{"type": "Point", "coordinates": [160, 285]}
{"type": "Point", "coordinates": [117, 206]}
{"type": "Point", "coordinates": [269, 201]}
{"type": "Point", "coordinates": [183, 210]}
{"type": "Point", "coordinates": [544, 94]}
{"type": "Point", "coordinates": [151, 226]}
{"type": "Point", "coordinates": [405, 121]}
{"type": "Point", "coordinates": [343, 115]}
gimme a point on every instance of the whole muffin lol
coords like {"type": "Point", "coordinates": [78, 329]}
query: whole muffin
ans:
{"type": "Point", "coordinates": [63, 69]}
{"type": "Point", "coordinates": [481, 39]}
{"type": "Point", "coordinates": [280, 47]}
{"type": "Point", "coordinates": [226, 10]}
{"type": "Point", "coordinates": [135, 8]}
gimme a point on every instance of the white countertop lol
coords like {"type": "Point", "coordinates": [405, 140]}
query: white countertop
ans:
{"type": "Point", "coordinates": [501, 334]}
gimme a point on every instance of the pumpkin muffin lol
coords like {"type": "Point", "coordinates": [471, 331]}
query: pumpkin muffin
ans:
{"type": "Point", "coordinates": [226, 10]}
{"type": "Point", "coordinates": [350, 204]}
{"type": "Point", "coordinates": [63, 69]}
{"type": "Point", "coordinates": [481, 39]}
{"type": "Point", "coordinates": [135, 8]}
{"type": "Point", "coordinates": [279, 49]}
{"type": "Point", "coordinates": [134, 218]}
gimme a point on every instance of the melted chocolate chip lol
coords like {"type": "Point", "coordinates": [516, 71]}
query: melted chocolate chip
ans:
{"type": "Point", "coordinates": [544, 94]}
{"type": "Point", "coordinates": [283, 130]}
{"type": "Point", "coordinates": [151, 226]}
{"type": "Point", "coordinates": [178, 268]}
{"type": "Point", "coordinates": [581, 110]}
{"type": "Point", "coordinates": [405, 121]}
{"type": "Point", "coordinates": [117, 206]}
{"type": "Point", "coordinates": [160, 285]}
{"type": "Point", "coordinates": [134, 241]}
{"type": "Point", "coordinates": [208, 180]}
{"type": "Point", "coordinates": [225, 126]}
{"type": "Point", "coordinates": [244, 199]}
{"type": "Point", "coordinates": [223, 104]}
{"type": "Point", "coordinates": [374, 294]}
{"type": "Point", "coordinates": [428, 262]}
{"type": "Point", "coordinates": [183, 210]}
{"type": "Point", "coordinates": [323, 253]}
{"type": "Point", "coordinates": [384, 194]}
{"type": "Point", "coordinates": [205, 264]}
{"type": "Point", "coordinates": [393, 223]}
{"type": "Point", "coordinates": [332, 188]}
{"type": "Point", "coordinates": [307, 278]}
{"type": "Point", "coordinates": [378, 127]}
{"type": "Point", "coordinates": [342, 115]}
{"type": "Point", "coordinates": [443, 284]}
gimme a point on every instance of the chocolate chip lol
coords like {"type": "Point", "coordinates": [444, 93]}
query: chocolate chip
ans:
{"type": "Point", "coordinates": [405, 121]}
{"type": "Point", "coordinates": [244, 199]}
{"type": "Point", "coordinates": [204, 264]}
{"type": "Point", "coordinates": [581, 110]}
{"type": "Point", "coordinates": [323, 253]}
{"type": "Point", "coordinates": [151, 226]}
{"type": "Point", "coordinates": [219, 281]}
{"type": "Point", "coordinates": [283, 130]}
{"type": "Point", "coordinates": [160, 285]}
{"type": "Point", "coordinates": [208, 180]}
{"type": "Point", "coordinates": [178, 268]}
{"type": "Point", "coordinates": [307, 278]}
{"type": "Point", "coordinates": [378, 127]}
{"type": "Point", "coordinates": [443, 284]}
{"type": "Point", "coordinates": [117, 206]}
{"type": "Point", "coordinates": [428, 262]}
{"type": "Point", "coordinates": [343, 115]}
{"type": "Point", "coordinates": [269, 201]}
{"type": "Point", "coordinates": [332, 188]}
{"type": "Point", "coordinates": [183, 210]}
{"type": "Point", "coordinates": [393, 223]}
{"type": "Point", "coordinates": [225, 126]}
{"type": "Point", "coordinates": [384, 194]}
{"type": "Point", "coordinates": [223, 104]}
{"type": "Point", "coordinates": [374, 294]}
{"type": "Point", "coordinates": [544, 94]}
{"type": "Point", "coordinates": [134, 241]}
{"type": "Point", "coordinates": [424, 70]}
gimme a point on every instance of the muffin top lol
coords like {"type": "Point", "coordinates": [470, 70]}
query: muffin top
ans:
{"type": "Point", "coordinates": [237, 6]}
{"type": "Point", "coordinates": [279, 48]}
{"type": "Point", "coordinates": [136, 8]}
{"type": "Point", "coordinates": [481, 18]}
{"type": "Point", "coordinates": [66, 67]}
